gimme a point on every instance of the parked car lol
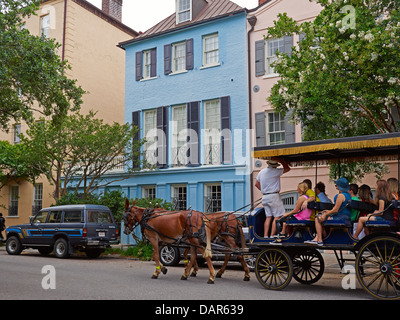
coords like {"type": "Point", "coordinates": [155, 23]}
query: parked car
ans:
{"type": "Point", "coordinates": [63, 229]}
{"type": "Point", "coordinates": [171, 255]}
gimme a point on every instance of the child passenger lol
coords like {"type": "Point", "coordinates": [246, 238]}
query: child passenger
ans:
{"type": "Point", "coordinates": [299, 213]}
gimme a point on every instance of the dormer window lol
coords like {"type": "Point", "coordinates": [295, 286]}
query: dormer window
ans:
{"type": "Point", "coordinates": [183, 11]}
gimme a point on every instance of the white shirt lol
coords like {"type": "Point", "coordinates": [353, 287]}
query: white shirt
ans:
{"type": "Point", "coordinates": [270, 180]}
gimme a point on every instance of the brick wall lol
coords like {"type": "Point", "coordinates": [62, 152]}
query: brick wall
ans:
{"type": "Point", "coordinates": [113, 8]}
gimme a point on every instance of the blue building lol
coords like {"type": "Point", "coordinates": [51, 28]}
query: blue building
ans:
{"type": "Point", "coordinates": [187, 90]}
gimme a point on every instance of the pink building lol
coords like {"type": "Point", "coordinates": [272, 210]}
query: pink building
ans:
{"type": "Point", "coordinates": [269, 127]}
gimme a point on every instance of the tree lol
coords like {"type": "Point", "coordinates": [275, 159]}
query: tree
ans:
{"type": "Point", "coordinates": [343, 78]}
{"type": "Point", "coordinates": [78, 153]}
{"type": "Point", "coordinates": [15, 163]}
{"type": "Point", "coordinates": [32, 75]}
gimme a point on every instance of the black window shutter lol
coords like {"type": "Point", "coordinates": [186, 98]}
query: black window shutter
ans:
{"type": "Point", "coordinates": [261, 138]}
{"type": "Point", "coordinates": [139, 62]}
{"type": "Point", "coordinates": [162, 137]}
{"type": "Point", "coordinates": [260, 58]}
{"type": "Point", "coordinates": [226, 134]}
{"type": "Point", "coordinates": [136, 138]}
{"type": "Point", "coordinates": [167, 59]}
{"type": "Point", "coordinates": [153, 68]}
{"type": "Point", "coordinates": [193, 125]}
{"type": "Point", "coordinates": [189, 55]}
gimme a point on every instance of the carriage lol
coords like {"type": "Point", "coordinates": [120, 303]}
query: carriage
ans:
{"type": "Point", "coordinates": [377, 256]}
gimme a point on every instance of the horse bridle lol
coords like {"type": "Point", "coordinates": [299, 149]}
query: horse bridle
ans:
{"type": "Point", "coordinates": [128, 214]}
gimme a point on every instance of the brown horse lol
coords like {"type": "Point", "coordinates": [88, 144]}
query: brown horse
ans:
{"type": "Point", "coordinates": [171, 227]}
{"type": "Point", "coordinates": [226, 226]}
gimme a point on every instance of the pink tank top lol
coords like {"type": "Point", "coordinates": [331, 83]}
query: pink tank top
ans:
{"type": "Point", "coordinates": [305, 214]}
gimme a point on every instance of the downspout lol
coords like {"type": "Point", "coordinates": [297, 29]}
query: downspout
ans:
{"type": "Point", "coordinates": [252, 21]}
{"type": "Point", "coordinates": [64, 29]}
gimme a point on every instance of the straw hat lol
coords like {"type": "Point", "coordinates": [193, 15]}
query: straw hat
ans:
{"type": "Point", "coordinates": [273, 163]}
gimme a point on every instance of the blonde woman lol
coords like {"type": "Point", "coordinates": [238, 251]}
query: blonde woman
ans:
{"type": "Point", "coordinates": [299, 213]}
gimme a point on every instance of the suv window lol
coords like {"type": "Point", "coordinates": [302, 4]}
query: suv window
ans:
{"type": "Point", "coordinates": [55, 217]}
{"type": "Point", "coordinates": [99, 216]}
{"type": "Point", "coordinates": [73, 216]}
{"type": "Point", "coordinates": [41, 217]}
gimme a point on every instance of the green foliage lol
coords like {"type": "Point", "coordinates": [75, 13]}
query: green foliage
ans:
{"type": "Point", "coordinates": [15, 163]}
{"type": "Point", "coordinates": [343, 78]}
{"type": "Point", "coordinates": [32, 75]}
{"type": "Point", "coordinates": [356, 171]}
{"type": "Point", "coordinates": [82, 150]}
{"type": "Point", "coordinates": [115, 200]}
{"type": "Point", "coordinates": [142, 251]}
{"type": "Point", "coordinates": [153, 203]}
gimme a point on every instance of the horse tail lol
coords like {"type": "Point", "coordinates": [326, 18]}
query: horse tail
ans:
{"type": "Point", "coordinates": [207, 252]}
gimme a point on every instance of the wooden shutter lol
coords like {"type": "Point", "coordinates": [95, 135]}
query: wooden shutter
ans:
{"type": "Point", "coordinates": [289, 129]}
{"type": "Point", "coordinates": [162, 137]}
{"type": "Point", "coordinates": [136, 138]}
{"type": "Point", "coordinates": [261, 138]}
{"type": "Point", "coordinates": [189, 55]}
{"type": "Point", "coordinates": [260, 58]}
{"type": "Point", "coordinates": [139, 68]}
{"type": "Point", "coordinates": [226, 134]}
{"type": "Point", "coordinates": [167, 59]}
{"type": "Point", "coordinates": [153, 67]}
{"type": "Point", "coordinates": [288, 42]}
{"type": "Point", "coordinates": [193, 125]}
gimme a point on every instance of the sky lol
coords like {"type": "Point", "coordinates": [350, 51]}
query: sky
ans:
{"type": "Point", "coordinates": [141, 15]}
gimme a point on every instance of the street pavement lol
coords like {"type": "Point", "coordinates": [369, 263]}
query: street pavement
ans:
{"type": "Point", "coordinates": [114, 278]}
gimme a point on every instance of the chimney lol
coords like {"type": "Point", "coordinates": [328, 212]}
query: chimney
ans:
{"type": "Point", "coordinates": [260, 2]}
{"type": "Point", "coordinates": [113, 8]}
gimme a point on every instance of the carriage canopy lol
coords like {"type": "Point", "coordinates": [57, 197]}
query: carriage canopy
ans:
{"type": "Point", "coordinates": [380, 147]}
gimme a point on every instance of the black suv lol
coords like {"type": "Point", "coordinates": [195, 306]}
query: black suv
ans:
{"type": "Point", "coordinates": [87, 228]}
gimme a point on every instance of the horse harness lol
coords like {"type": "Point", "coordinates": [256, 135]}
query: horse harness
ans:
{"type": "Point", "coordinates": [224, 229]}
{"type": "Point", "coordinates": [148, 215]}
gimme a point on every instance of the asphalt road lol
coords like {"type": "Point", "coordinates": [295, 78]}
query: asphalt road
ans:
{"type": "Point", "coordinates": [80, 278]}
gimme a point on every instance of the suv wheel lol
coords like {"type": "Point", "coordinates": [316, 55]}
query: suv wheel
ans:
{"type": "Point", "coordinates": [13, 246]}
{"type": "Point", "coordinates": [169, 256]}
{"type": "Point", "coordinates": [61, 248]}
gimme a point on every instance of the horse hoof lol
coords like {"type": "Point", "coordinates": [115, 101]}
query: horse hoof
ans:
{"type": "Point", "coordinates": [193, 275]}
{"type": "Point", "coordinates": [210, 281]}
{"type": "Point", "coordinates": [219, 276]}
{"type": "Point", "coordinates": [164, 270]}
{"type": "Point", "coordinates": [246, 278]}
{"type": "Point", "coordinates": [183, 278]}
{"type": "Point", "coordinates": [154, 276]}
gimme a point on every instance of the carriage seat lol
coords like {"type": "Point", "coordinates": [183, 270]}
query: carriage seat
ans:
{"type": "Point", "coordinates": [299, 223]}
{"type": "Point", "coordinates": [382, 223]}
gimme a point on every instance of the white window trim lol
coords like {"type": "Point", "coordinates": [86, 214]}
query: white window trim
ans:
{"type": "Point", "coordinates": [210, 65]}
{"type": "Point", "coordinates": [43, 28]}
{"type": "Point", "coordinates": [215, 139]}
{"type": "Point", "coordinates": [178, 139]}
{"type": "Point", "coordinates": [208, 185]}
{"type": "Point", "coordinates": [268, 132]}
{"type": "Point", "coordinates": [268, 73]}
{"type": "Point", "coordinates": [179, 12]}
{"type": "Point", "coordinates": [173, 62]}
{"type": "Point", "coordinates": [146, 53]}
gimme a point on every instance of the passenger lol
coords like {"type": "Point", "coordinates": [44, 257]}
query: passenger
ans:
{"type": "Point", "coordinates": [354, 192]}
{"type": "Point", "coordinates": [340, 212]}
{"type": "Point", "coordinates": [2, 227]}
{"type": "Point", "coordinates": [311, 197]}
{"type": "Point", "coordinates": [321, 195]}
{"type": "Point", "coordinates": [365, 195]}
{"type": "Point", "coordinates": [269, 182]}
{"type": "Point", "coordinates": [301, 214]}
{"type": "Point", "coordinates": [383, 198]}
{"type": "Point", "coordinates": [393, 185]}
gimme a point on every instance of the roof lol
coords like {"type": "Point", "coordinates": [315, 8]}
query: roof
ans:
{"type": "Point", "coordinates": [373, 147]}
{"type": "Point", "coordinates": [214, 9]}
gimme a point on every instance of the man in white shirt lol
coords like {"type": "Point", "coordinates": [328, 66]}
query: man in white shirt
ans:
{"type": "Point", "coordinates": [269, 182]}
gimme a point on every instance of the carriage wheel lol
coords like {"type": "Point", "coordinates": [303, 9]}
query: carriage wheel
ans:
{"type": "Point", "coordinates": [308, 266]}
{"type": "Point", "coordinates": [274, 269]}
{"type": "Point", "coordinates": [377, 267]}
